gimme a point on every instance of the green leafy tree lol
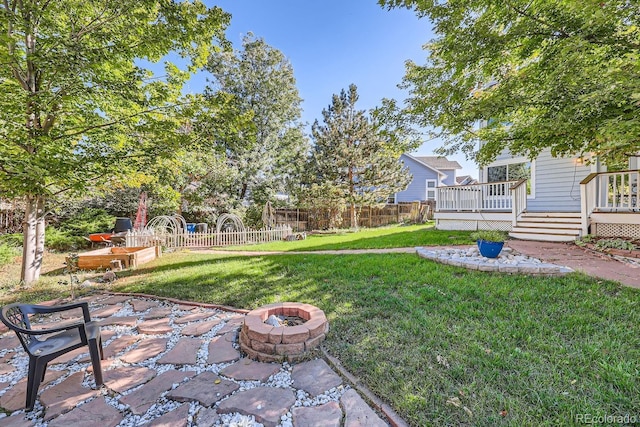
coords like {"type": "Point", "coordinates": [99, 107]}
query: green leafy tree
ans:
{"type": "Point", "coordinates": [356, 155]}
{"type": "Point", "coordinates": [551, 74]}
{"type": "Point", "coordinates": [263, 86]}
{"type": "Point", "coordinates": [76, 106]}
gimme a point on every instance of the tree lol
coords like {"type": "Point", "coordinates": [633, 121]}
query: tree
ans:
{"type": "Point", "coordinates": [352, 156]}
{"type": "Point", "coordinates": [262, 83]}
{"type": "Point", "coordinates": [545, 74]}
{"type": "Point", "coordinates": [76, 106]}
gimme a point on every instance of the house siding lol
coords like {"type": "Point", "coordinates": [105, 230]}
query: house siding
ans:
{"type": "Point", "coordinates": [417, 188]}
{"type": "Point", "coordinates": [451, 176]}
{"type": "Point", "coordinates": [556, 182]}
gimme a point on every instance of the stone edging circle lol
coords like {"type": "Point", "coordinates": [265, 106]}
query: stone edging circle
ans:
{"type": "Point", "coordinates": [267, 343]}
{"type": "Point", "coordinates": [530, 266]}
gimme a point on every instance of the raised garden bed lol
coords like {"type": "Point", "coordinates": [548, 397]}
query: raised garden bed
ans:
{"type": "Point", "coordinates": [128, 257]}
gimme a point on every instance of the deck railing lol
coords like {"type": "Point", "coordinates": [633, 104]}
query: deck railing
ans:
{"type": "Point", "coordinates": [206, 240]}
{"type": "Point", "coordinates": [609, 192]}
{"type": "Point", "coordinates": [494, 196]}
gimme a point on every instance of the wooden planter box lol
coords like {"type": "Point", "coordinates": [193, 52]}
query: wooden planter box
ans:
{"type": "Point", "coordinates": [128, 257]}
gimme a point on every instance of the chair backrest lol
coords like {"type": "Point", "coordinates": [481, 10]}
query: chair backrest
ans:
{"type": "Point", "coordinates": [15, 317]}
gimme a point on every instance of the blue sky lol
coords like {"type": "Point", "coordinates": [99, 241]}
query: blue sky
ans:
{"type": "Point", "coordinates": [333, 43]}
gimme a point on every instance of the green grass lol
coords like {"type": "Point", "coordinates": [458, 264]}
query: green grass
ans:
{"type": "Point", "coordinates": [420, 333]}
{"type": "Point", "coordinates": [396, 236]}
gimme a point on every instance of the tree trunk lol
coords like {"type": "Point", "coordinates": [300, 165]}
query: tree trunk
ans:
{"type": "Point", "coordinates": [354, 219]}
{"type": "Point", "coordinates": [33, 239]}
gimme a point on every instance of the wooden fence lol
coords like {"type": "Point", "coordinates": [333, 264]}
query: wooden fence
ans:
{"type": "Point", "coordinates": [207, 240]}
{"type": "Point", "coordinates": [318, 219]}
{"type": "Point", "coordinates": [11, 216]}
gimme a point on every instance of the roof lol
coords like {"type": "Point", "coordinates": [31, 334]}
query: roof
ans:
{"type": "Point", "coordinates": [439, 162]}
{"type": "Point", "coordinates": [466, 179]}
{"type": "Point", "coordinates": [420, 162]}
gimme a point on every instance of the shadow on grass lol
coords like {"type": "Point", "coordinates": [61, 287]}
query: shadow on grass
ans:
{"type": "Point", "coordinates": [422, 237]}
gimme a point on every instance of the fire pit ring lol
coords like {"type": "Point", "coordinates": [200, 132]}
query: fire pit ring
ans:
{"type": "Point", "coordinates": [266, 343]}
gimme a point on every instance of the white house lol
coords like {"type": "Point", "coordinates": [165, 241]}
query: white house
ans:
{"type": "Point", "coordinates": [556, 199]}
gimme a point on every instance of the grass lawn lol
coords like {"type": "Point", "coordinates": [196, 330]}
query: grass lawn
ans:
{"type": "Point", "coordinates": [395, 236]}
{"type": "Point", "coordinates": [432, 340]}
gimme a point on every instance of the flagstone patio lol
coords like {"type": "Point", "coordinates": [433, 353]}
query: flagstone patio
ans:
{"type": "Point", "coordinates": [175, 364]}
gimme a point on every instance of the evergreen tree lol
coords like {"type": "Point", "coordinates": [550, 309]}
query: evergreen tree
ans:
{"type": "Point", "coordinates": [352, 155]}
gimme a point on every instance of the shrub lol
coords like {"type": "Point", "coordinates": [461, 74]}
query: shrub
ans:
{"type": "Point", "coordinates": [87, 221]}
{"type": "Point", "coordinates": [62, 241]}
{"type": "Point", "coordinates": [13, 240]}
{"type": "Point", "coordinates": [489, 235]}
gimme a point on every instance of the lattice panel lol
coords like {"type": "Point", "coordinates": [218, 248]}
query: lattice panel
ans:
{"type": "Point", "coordinates": [495, 225]}
{"type": "Point", "coordinates": [617, 230]}
{"type": "Point", "coordinates": [447, 224]}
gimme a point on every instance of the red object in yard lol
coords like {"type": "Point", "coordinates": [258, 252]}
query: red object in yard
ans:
{"type": "Point", "coordinates": [141, 215]}
{"type": "Point", "coordinates": [100, 237]}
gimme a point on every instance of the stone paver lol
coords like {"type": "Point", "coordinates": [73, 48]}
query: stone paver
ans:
{"type": "Point", "coordinates": [250, 370]}
{"type": "Point", "coordinates": [65, 396]}
{"type": "Point", "coordinates": [233, 324]}
{"type": "Point", "coordinates": [9, 341]}
{"type": "Point", "coordinates": [327, 415]}
{"type": "Point", "coordinates": [141, 399]}
{"type": "Point", "coordinates": [142, 305]}
{"type": "Point", "coordinates": [119, 320]}
{"type": "Point", "coordinates": [5, 366]}
{"type": "Point", "coordinates": [186, 307]}
{"type": "Point", "coordinates": [98, 411]}
{"type": "Point", "coordinates": [106, 311]}
{"type": "Point", "coordinates": [115, 299]}
{"type": "Point", "coordinates": [206, 417]}
{"type": "Point", "coordinates": [119, 344]}
{"type": "Point", "coordinates": [126, 377]}
{"type": "Point", "coordinates": [16, 396]}
{"type": "Point", "coordinates": [208, 394]}
{"type": "Point", "coordinates": [185, 352]}
{"type": "Point", "coordinates": [266, 404]}
{"type": "Point", "coordinates": [145, 350]}
{"type": "Point", "coordinates": [71, 355]}
{"type": "Point", "coordinates": [155, 327]}
{"type": "Point", "coordinates": [158, 313]}
{"type": "Point", "coordinates": [200, 328]}
{"type": "Point", "coordinates": [176, 418]}
{"type": "Point", "coordinates": [15, 421]}
{"type": "Point", "coordinates": [193, 317]}
{"type": "Point", "coordinates": [314, 377]}
{"type": "Point", "coordinates": [357, 412]}
{"type": "Point", "coordinates": [206, 388]}
{"type": "Point", "coordinates": [221, 349]}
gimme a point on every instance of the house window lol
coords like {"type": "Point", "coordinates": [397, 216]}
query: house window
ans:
{"type": "Point", "coordinates": [511, 172]}
{"type": "Point", "coordinates": [432, 185]}
{"type": "Point", "coordinates": [391, 200]}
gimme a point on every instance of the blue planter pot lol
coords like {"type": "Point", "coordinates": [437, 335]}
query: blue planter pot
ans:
{"type": "Point", "coordinates": [490, 249]}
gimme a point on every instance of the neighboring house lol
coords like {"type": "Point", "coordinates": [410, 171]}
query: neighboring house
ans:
{"type": "Point", "coordinates": [554, 199]}
{"type": "Point", "coordinates": [465, 180]}
{"type": "Point", "coordinates": [429, 173]}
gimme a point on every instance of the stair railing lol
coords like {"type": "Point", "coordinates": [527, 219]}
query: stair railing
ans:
{"type": "Point", "coordinates": [518, 200]}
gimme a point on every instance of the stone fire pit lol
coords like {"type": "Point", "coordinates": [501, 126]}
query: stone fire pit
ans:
{"type": "Point", "coordinates": [267, 343]}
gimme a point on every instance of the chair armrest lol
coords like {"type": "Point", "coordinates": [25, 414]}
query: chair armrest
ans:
{"type": "Point", "coordinates": [46, 331]}
{"type": "Point", "coordinates": [44, 309]}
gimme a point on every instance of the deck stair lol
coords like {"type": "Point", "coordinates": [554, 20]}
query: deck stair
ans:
{"type": "Point", "coordinates": [548, 226]}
